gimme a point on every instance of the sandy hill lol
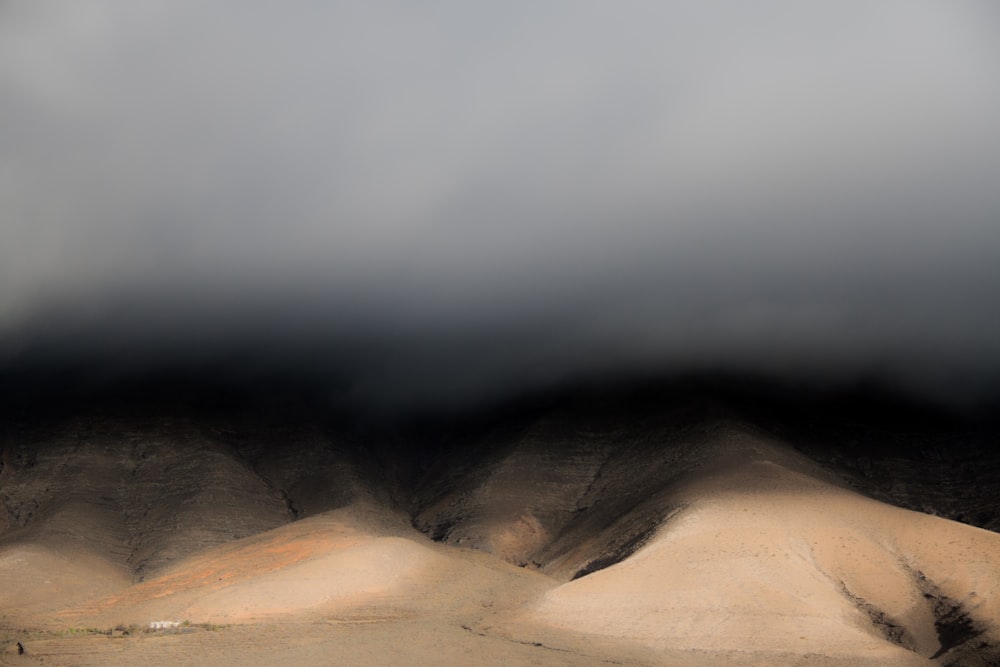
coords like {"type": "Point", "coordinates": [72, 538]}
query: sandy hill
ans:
{"type": "Point", "coordinates": [654, 536]}
{"type": "Point", "coordinates": [762, 556]}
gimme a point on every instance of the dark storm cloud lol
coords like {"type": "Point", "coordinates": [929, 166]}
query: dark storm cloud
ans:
{"type": "Point", "coordinates": [439, 199]}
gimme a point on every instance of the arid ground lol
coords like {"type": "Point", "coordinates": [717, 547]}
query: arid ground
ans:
{"type": "Point", "coordinates": [663, 534]}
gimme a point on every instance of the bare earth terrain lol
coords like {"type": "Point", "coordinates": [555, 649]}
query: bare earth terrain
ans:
{"type": "Point", "coordinates": [563, 541]}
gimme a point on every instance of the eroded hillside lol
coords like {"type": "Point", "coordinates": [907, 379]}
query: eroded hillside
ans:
{"type": "Point", "coordinates": [645, 525]}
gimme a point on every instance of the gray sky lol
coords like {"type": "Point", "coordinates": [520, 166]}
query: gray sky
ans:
{"type": "Point", "coordinates": [449, 198]}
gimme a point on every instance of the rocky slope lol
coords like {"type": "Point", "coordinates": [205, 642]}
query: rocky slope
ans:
{"type": "Point", "coordinates": [653, 522]}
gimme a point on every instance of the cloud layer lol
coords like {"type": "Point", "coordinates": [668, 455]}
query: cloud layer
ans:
{"type": "Point", "coordinates": [443, 200]}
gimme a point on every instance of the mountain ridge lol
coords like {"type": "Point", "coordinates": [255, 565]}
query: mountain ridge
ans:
{"type": "Point", "coordinates": [580, 508]}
